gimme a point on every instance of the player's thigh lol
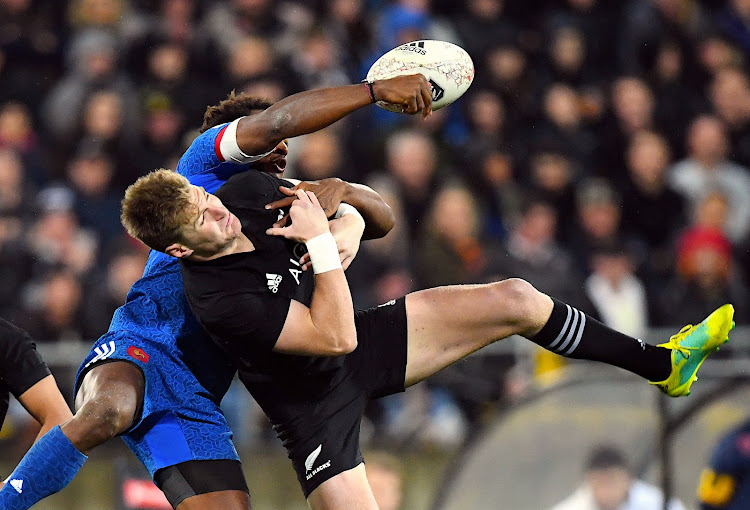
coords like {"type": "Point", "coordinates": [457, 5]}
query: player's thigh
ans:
{"type": "Point", "coordinates": [107, 404]}
{"type": "Point", "coordinates": [448, 323]}
{"type": "Point", "coordinates": [345, 491]}
{"type": "Point", "coordinates": [222, 500]}
{"type": "Point", "coordinates": [204, 484]}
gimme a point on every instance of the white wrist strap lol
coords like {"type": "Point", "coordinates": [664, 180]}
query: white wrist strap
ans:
{"type": "Point", "coordinates": [324, 254]}
{"type": "Point", "coordinates": [345, 209]}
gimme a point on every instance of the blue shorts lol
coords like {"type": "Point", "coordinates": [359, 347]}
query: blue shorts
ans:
{"type": "Point", "coordinates": [181, 420]}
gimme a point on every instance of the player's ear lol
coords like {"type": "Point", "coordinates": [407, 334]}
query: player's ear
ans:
{"type": "Point", "coordinates": [178, 250]}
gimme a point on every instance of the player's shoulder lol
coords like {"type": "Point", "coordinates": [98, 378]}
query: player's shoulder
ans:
{"type": "Point", "coordinates": [12, 334]}
{"type": "Point", "coordinates": [251, 185]}
{"type": "Point", "coordinates": [201, 152]}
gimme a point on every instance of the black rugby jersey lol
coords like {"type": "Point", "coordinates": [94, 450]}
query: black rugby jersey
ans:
{"type": "Point", "coordinates": [21, 366]}
{"type": "Point", "coordinates": [242, 299]}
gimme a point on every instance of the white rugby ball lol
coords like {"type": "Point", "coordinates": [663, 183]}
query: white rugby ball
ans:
{"type": "Point", "coordinates": [447, 67]}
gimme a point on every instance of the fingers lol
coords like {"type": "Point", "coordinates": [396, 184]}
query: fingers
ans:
{"type": "Point", "coordinates": [313, 198]}
{"type": "Point", "coordinates": [420, 103]}
{"type": "Point", "coordinates": [283, 221]}
{"type": "Point", "coordinates": [426, 93]}
{"type": "Point", "coordinates": [277, 231]}
{"type": "Point", "coordinates": [282, 202]}
{"type": "Point", "coordinates": [290, 191]}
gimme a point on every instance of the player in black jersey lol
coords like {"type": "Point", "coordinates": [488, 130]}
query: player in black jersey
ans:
{"type": "Point", "coordinates": [24, 373]}
{"type": "Point", "coordinates": [242, 277]}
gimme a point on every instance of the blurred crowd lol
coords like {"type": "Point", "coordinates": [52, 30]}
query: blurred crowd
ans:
{"type": "Point", "coordinates": [602, 152]}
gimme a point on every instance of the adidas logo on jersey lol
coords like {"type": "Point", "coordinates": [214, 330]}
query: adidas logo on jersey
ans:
{"type": "Point", "coordinates": [273, 282]}
{"type": "Point", "coordinates": [104, 351]}
{"type": "Point", "coordinates": [17, 484]}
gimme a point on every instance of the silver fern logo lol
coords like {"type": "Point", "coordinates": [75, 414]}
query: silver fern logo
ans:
{"type": "Point", "coordinates": [313, 457]}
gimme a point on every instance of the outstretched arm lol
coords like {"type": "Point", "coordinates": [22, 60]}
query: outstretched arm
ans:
{"type": "Point", "coordinates": [311, 110]}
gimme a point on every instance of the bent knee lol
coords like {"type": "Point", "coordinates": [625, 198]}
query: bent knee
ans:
{"type": "Point", "coordinates": [104, 417]}
{"type": "Point", "coordinates": [519, 298]}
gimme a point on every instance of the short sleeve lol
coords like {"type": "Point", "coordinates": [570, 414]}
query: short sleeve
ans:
{"type": "Point", "coordinates": [21, 366]}
{"type": "Point", "coordinates": [215, 151]}
{"type": "Point", "coordinates": [248, 322]}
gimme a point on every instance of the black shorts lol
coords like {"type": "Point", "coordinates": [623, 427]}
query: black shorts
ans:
{"type": "Point", "coordinates": [196, 477]}
{"type": "Point", "coordinates": [317, 416]}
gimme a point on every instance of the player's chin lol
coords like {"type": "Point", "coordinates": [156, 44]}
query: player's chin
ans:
{"type": "Point", "coordinates": [271, 168]}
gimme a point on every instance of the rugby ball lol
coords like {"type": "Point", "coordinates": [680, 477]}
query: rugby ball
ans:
{"type": "Point", "coordinates": [447, 67]}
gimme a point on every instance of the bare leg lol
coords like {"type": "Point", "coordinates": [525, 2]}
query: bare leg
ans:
{"type": "Point", "coordinates": [106, 404]}
{"type": "Point", "coordinates": [221, 500]}
{"type": "Point", "coordinates": [346, 491]}
{"type": "Point", "coordinates": [446, 324]}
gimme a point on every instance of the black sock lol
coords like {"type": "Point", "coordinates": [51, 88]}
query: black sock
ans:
{"type": "Point", "coordinates": [573, 334]}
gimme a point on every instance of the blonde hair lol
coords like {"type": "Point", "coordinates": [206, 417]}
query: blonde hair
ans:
{"type": "Point", "coordinates": [156, 206]}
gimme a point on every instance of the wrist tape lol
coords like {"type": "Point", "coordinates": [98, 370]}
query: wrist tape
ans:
{"type": "Point", "coordinates": [345, 209]}
{"type": "Point", "coordinates": [324, 254]}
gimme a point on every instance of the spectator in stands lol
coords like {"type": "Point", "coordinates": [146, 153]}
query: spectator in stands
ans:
{"type": "Point", "coordinates": [725, 484]}
{"type": "Point", "coordinates": [381, 271]}
{"type": "Point", "coordinates": [56, 239]}
{"type": "Point", "coordinates": [346, 23]}
{"type": "Point", "coordinates": [108, 292]}
{"type": "Point", "coordinates": [95, 202]}
{"type": "Point", "coordinates": [707, 168]}
{"type": "Point", "coordinates": [316, 64]}
{"type": "Point", "coordinates": [705, 276]}
{"type": "Point", "coordinates": [320, 157]}
{"type": "Point", "coordinates": [411, 157]}
{"type": "Point", "coordinates": [651, 211]}
{"type": "Point", "coordinates": [30, 48]}
{"type": "Point", "coordinates": [562, 124]}
{"type": "Point", "coordinates": [617, 293]}
{"type": "Point", "coordinates": [17, 133]}
{"type": "Point", "coordinates": [169, 73]}
{"type": "Point", "coordinates": [481, 24]}
{"type": "Point", "coordinates": [729, 93]}
{"type": "Point", "coordinates": [490, 177]}
{"type": "Point", "coordinates": [16, 193]}
{"type": "Point", "coordinates": [632, 111]}
{"type": "Point", "coordinates": [92, 65]}
{"type": "Point", "coordinates": [552, 176]}
{"type": "Point", "coordinates": [248, 59]}
{"type": "Point", "coordinates": [52, 313]}
{"type": "Point", "coordinates": [163, 124]}
{"type": "Point", "coordinates": [599, 213]}
{"type": "Point", "coordinates": [533, 253]}
{"type": "Point", "coordinates": [733, 22]}
{"type": "Point", "coordinates": [609, 484]}
{"type": "Point", "coordinates": [450, 250]}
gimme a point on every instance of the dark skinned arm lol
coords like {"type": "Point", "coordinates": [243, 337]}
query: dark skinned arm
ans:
{"type": "Point", "coordinates": [379, 218]}
{"type": "Point", "coordinates": [312, 110]}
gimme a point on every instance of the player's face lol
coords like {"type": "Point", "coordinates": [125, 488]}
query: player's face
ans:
{"type": "Point", "coordinates": [213, 228]}
{"type": "Point", "coordinates": [274, 163]}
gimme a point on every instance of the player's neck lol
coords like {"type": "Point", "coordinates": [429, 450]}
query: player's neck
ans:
{"type": "Point", "coordinates": [241, 244]}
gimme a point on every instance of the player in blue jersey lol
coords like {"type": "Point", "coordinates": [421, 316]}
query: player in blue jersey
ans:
{"type": "Point", "coordinates": [155, 378]}
{"type": "Point", "coordinates": [725, 483]}
{"type": "Point", "coordinates": [312, 362]}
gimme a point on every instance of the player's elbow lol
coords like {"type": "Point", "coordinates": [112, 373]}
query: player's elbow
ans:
{"type": "Point", "coordinates": [379, 229]}
{"type": "Point", "coordinates": [340, 344]}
